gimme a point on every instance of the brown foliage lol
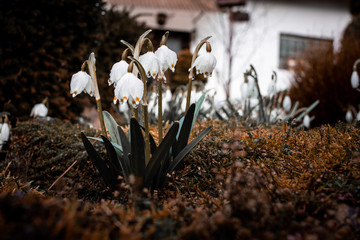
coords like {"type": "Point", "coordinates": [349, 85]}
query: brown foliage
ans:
{"type": "Point", "coordinates": [326, 76]}
{"type": "Point", "coordinates": [238, 183]}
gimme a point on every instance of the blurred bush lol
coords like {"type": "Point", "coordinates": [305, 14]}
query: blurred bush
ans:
{"type": "Point", "coordinates": [325, 75]}
{"type": "Point", "coordinates": [44, 42]}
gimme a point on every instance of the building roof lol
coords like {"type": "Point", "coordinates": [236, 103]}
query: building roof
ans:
{"type": "Point", "coordinates": [192, 5]}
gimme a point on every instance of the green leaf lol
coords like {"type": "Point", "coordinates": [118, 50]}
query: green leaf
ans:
{"type": "Point", "coordinates": [115, 160]}
{"type": "Point", "coordinates": [197, 109]}
{"type": "Point", "coordinates": [111, 125]}
{"type": "Point", "coordinates": [152, 141]}
{"type": "Point", "coordinates": [107, 175]}
{"type": "Point", "coordinates": [137, 149]}
{"type": "Point", "coordinates": [184, 131]}
{"type": "Point", "coordinates": [161, 152]}
{"type": "Point", "coordinates": [126, 148]}
{"type": "Point", "coordinates": [116, 146]}
{"type": "Point", "coordinates": [187, 149]}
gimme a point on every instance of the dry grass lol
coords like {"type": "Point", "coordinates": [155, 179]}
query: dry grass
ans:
{"type": "Point", "coordinates": [238, 183]}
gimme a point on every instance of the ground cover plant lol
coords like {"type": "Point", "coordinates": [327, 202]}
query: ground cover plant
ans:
{"type": "Point", "coordinates": [238, 183]}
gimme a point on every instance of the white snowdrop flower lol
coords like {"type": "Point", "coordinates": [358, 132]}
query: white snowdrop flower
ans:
{"type": "Point", "coordinates": [287, 103]}
{"type": "Point", "coordinates": [306, 121]}
{"type": "Point", "coordinates": [130, 88]}
{"type": "Point", "coordinates": [355, 79]}
{"type": "Point", "coordinates": [78, 83]}
{"type": "Point", "coordinates": [89, 88]}
{"type": "Point", "coordinates": [251, 90]}
{"type": "Point", "coordinates": [4, 134]}
{"type": "Point", "coordinates": [150, 63]}
{"type": "Point", "coordinates": [205, 63]}
{"type": "Point", "coordinates": [168, 94]}
{"type": "Point", "coordinates": [118, 70]}
{"type": "Point", "coordinates": [167, 58]}
{"type": "Point", "coordinates": [271, 91]}
{"type": "Point", "coordinates": [39, 109]}
{"type": "Point", "coordinates": [358, 116]}
{"type": "Point", "coordinates": [349, 116]}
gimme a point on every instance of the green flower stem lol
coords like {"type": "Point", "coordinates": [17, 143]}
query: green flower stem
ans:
{"type": "Point", "coordinates": [146, 126]}
{"type": "Point", "coordinates": [92, 71]}
{"type": "Point", "coordinates": [144, 110]}
{"type": "Point", "coordinates": [261, 102]}
{"type": "Point", "coordinates": [136, 114]}
{"type": "Point", "coordinates": [160, 123]}
{"type": "Point", "coordinates": [191, 74]}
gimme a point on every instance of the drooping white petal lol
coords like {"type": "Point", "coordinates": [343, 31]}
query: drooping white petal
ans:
{"type": "Point", "coordinates": [118, 70]}
{"type": "Point", "coordinates": [205, 63]}
{"type": "Point", "coordinates": [150, 63]}
{"type": "Point", "coordinates": [5, 132]}
{"type": "Point", "coordinates": [78, 82]}
{"type": "Point", "coordinates": [306, 121]}
{"type": "Point", "coordinates": [89, 88]}
{"type": "Point", "coordinates": [129, 88]}
{"type": "Point", "coordinates": [349, 116]}
{"type": "Point", "coordinates": [355, 79]}
{"type": "Point", "coordinates": [136, 90]}
{"type": "Point", "coordinates": [358, 116]}
{"type": "Point", "coordinates": [39, 110]}
{"type": "Point", "coordinates": [287, 103]}
{"type": "Point", "coordinates": [167, 58]}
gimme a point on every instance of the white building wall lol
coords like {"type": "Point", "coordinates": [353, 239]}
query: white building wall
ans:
{"type": "Point", "coordinates": [257, 41]}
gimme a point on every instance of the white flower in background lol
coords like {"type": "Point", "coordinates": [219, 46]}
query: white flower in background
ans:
{"type": "Point", "coordinates": [80, 81]}
{"type": "Point", "coordinates": [39, 110]}
{"type": "Point", "coordinates": [167, 58]}
{"type": "Point", "coordinates": [287, 103]}
{"type": "Point", "coordinates": [168, 94]}
{"type": "Point", "coordinates": [271, 91]}
{"type": "Point", "coordinates": [349, 116]}
{"type": "Point", "coordinates": [358, 116]}
{"type": "Point", "coordinates": [205, 63]}
{"type": "Point", "coordinates": [355, 79]}
{"type": "Point", "coordinates": [150, 63]}
{"type": "Point", "coordinates": [129, 88]}
{"type": "Point", "coordinates": [118, 70]}
{"type": "Point", "coordinates": [4, 133]}
{"type": "Point", "coordinates": [306, 121]}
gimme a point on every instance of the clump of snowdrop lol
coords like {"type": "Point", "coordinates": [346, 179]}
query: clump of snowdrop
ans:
{"type": "Point", "coordinates": [149, 168]}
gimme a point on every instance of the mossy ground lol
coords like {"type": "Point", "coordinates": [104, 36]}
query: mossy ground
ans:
{"type": "Point", "coordinates": [238, 183]}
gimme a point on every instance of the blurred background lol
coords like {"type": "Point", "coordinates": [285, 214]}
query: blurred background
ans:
{"type": "Point", "coordinates": [312, 46]}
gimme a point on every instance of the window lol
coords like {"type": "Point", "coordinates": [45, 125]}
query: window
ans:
{"type": "Point", "coordinates": [292, 48]}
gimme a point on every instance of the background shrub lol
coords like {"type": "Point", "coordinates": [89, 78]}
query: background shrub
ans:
{"type": "Point", "coordinates": [44, 42]}
{"type": "Point", "coordinates": [326, 76]}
